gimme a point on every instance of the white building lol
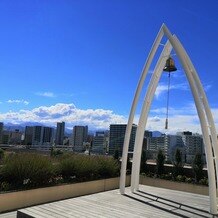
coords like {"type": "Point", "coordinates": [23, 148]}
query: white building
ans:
{"type": "Point", "coordinates": [100, 143]}
{"type": "Point", "coordinates": [166, 143]}
{"type": "Point", "coordinates": [188, 143]}
{"type": "Point", "coordinates": [193, 144]}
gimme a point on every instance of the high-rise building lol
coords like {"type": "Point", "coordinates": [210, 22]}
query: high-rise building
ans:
{"type": "Point", "coordinates": [28, 137]}
{"type": "Point", "coordinates": [5, 136]}
{"type": "Point", "coordinates": [15, 137]}
{"type": "Point", "coordinates": [193, 144]}
{"type": "Point", "coordinates": [99, 144]}
{"type": "Point", "coordinates": [59, 138]}
{"type": "Point", "coordinates": [47, 138]}
{"type": "Point", "coordinates": [37, 135]}
{"type": "Point", "coordinates": [116, 139]}
{"type": "Point", "coordinates": [79, 137]}
{"type": "Point", "coordinates": [188, 143]}
{"type": "Point", "coordinates": [166, 143]}
{"type": "Point", "coordinates": [147, 135]}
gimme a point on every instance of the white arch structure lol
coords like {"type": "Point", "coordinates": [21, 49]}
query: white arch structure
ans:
{"type": "Point", "coordinates": [203, 110]}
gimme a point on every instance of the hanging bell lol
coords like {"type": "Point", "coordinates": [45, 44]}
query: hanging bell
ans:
{"type": "Point", "coordinates": [170, 65]}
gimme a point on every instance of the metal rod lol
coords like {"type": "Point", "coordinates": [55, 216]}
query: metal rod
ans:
{"type": "Point", "coordinates": [168, 99]}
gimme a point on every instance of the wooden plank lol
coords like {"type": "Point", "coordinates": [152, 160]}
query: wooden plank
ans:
{"type": "Point", "coordinates": [9, 215]}
{"type": "Point", "coordinates": [150, 202]}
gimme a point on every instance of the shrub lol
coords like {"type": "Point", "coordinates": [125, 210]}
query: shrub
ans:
{"type": "Point", "coordinates": [150, 174]}
{"type": "Point", "coordinates": [160, 162]}
{"type": "Point", "coordinates": [143, 165]}
{"type": "Point", "coordinates": [35, 170]}
{"type": "Point", "coordinates": [197, 167]}
{"type": "Point", "coordinates": [42, 170]}
{"type": "Point", "coordinates": [1, 153]}
{"type": "Point", "coordinates": [168, 176]}
{"type": "Point", "coordinates": [68, 168]}
{"type": "Point", "coordinates": [27, 170]}
{"type": "Point", "coordinates": [55, 152]}
{"type": "Point", "coordinates": [83, 168]}
{"type": "Point", "coordinates": [143, 174]}
{"type": "Point", "coordinates": [188, 180]}
{"type": "Point", "coordinates": [4, 186]}
{"type": "Point", "coordinates": [203, 181]}
{"type": "Point", "coordinates": [116, 154]}
{"type": "Point", "coordinates": [180, 178]}
{"type": "Point", "coordinates": [13, 171]}
{"type": "Point", "coordinates": [86, 168]}
{"type": "Point", "coordinates": [178, 166]}
{"type": "Point", "coordinates": [108, 167]}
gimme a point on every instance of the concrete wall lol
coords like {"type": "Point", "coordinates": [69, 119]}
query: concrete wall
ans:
{"type": "Point", "coordinates": [20, 199]}
{"type": "Point", "coordinates": [180, 186]}
{"type": "Point", "coordinates": [14, 200]}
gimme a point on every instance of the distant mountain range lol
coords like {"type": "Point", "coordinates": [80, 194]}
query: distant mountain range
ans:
{"type": "Point", "coordinates": [21, 127]}
{"type": "Point", "coordinates": [156, 133]}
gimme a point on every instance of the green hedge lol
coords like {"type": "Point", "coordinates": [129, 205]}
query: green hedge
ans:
{"type": "Point", "coordinates": [83, 168]}
{"type": "Point", "coordinates": [20, 171]}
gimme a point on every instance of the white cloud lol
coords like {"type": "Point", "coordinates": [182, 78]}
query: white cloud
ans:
{"type": "Point", "coordinates": [94, 118]}
{"type": "Point", "coordinates": [18, 101]}
{"type": "Point", "coordinates": [207, 87]}
{"type": "Point", "coordinates": [46, 94]}
{"type": "Point", "coordinates": [176, 123]}
{"type": "Point", "coordinates": [155, 119]}
{"type": "Point", "coordinates": [161, 88]}
{"type": "Point", "coordinates": [190, 109]}
{"type": "Point", "coordinates": [179, 74]}
{"type": "Point", "coordinates": [180, 119]}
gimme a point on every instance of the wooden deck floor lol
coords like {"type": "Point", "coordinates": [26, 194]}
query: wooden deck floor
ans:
{"type": "Point", "coordinates": [148, 202]}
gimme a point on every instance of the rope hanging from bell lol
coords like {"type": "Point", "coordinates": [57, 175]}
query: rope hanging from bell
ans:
{"type": "Point", "coordinates": [169, 67]}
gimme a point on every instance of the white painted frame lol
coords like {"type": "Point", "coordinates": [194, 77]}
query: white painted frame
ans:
{"type": "Point", "coordinates": [203, 110]}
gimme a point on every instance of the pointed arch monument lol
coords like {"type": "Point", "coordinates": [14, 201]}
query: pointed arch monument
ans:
{"type": "Point", "coordinates": [203, 110]}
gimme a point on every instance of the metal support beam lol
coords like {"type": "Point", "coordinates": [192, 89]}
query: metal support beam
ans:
{"type": "Point", "coordinates": [203, 110]}
{"type": "Point", "coordinates": [144, 115]}
{"type": "Point", "coordinates": [133, 109]}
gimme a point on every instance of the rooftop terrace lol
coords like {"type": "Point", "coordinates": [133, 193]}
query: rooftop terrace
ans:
{"type": "Point", "coordinates": [148, 202]}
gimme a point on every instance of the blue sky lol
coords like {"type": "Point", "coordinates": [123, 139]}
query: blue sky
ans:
{"type": "Point", "coordinates": [80, 61]}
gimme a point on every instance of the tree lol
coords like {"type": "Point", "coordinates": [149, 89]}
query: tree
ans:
{"type": "Point", "coordinates": [1, 153]}
{"type": "Point", "coordinates": [160, 162]}
{"type": "Point", "coordinates": [116, 154]}
{"type": "Point", "coordinates": [128, 165]}
{"type": "Point", "coordinates": [197, 167]}
{"type": "Point", "coordinates": [143, 166]}
{"type": "Point", "coordinates": [178, 165]}
{"type": "Point", "coordinates": [55, 152]}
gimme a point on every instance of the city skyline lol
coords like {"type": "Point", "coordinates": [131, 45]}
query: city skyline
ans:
{"type": "Point", "coordinates": [79, 62]}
